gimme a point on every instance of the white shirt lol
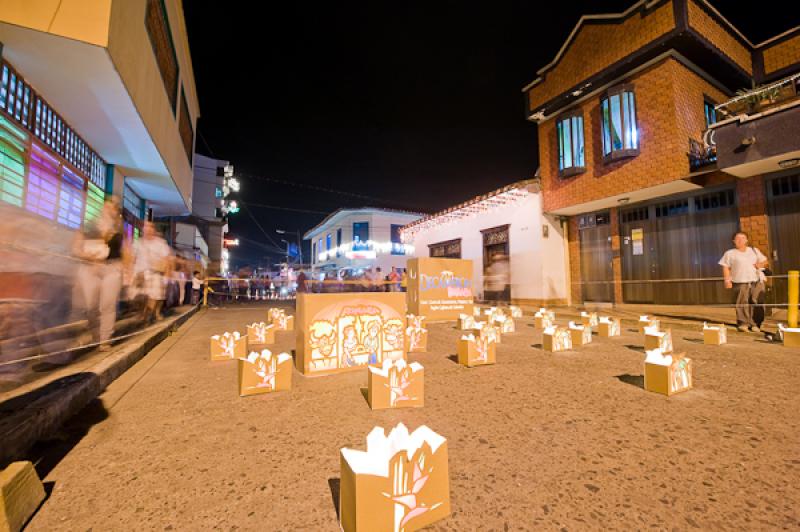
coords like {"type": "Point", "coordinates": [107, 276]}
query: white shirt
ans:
{"type": "Point", "coordinates": [742, 264]}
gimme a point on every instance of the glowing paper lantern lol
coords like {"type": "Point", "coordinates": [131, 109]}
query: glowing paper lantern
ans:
{"type": "Point", "coordinates": [264, 372]}
{"type": "Point", "coordinates": [228, 346]}
{"type": "Point", "coordinates": [790, 335]}
{"type": "Point", "coordinates": [556, 339]}
{"type": "Point", "coordinates": [655, 339]}
{"type": "Point", "coordinates": [416, 334]}
{"type": "Point", "coordinates": [260, 334]}
{"type": "Point", "coordinates": [667, 374]}
{"type": "Point", "coordinates": [608, 327]}
{"type": "Point", "coordinates": [396, 384]}
{"type": "Point", "coordinates": [589, 319]}
{"type": "Point", "coordinates": [476, 351]}
{"type": "Point", "coordinates": [581, 334]}
{"type": "Point", "coordinates": [400, 483]}
{"type": "Point", "coordinates": [716, 334]}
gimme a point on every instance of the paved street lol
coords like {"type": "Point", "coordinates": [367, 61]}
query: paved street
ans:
{"type": "Point", "coordinates": [540, 440]}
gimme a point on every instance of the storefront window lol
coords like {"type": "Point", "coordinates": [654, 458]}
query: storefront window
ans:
{"type": "Point", "coordinates": [571, 158]}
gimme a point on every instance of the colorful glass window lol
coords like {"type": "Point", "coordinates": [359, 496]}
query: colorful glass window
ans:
{"type": "Point", "coordinates": [42, 195]}
{"type": "Point", "coordinates": [70, 199]}
{"type": "Point", "coordinates": [12, 163]}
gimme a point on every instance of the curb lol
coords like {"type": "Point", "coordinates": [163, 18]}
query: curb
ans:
{"type": "Point", "coordinates": [21, 429]}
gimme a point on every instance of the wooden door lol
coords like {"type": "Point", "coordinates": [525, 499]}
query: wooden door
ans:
{"type": "Point", "coordinates": [597, 274]}
{"type": "Point", "coordinates": [638, 253]}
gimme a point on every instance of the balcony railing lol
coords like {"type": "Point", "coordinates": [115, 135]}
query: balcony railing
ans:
{"type": "Point", "coordinates": [760, 99]}
{"type": "Point", "coordinates": [701, 154]}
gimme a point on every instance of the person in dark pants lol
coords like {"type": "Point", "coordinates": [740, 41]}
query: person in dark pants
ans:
{"type": "Point", "coordinates": [742, 270]}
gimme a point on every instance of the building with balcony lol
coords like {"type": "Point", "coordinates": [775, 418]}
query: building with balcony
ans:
{"type": "Point", "coordinates": [506, 224]}
{"type": "Point", "coordinates": [97, 97]}
{"type": "Point", "coordinates": [648, 154]}
{"type": "Point", "coordinates": [360, 239]}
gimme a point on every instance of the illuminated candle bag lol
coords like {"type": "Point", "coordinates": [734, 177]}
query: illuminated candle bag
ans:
{"type": "Point", "coordinates": [655, 339]}
{"type": "Point", "coordinates": [466, 322]}
{"type": "Point", "coordinates": [544, 318]}
{"type": "Point", "coordinates": [476, 351]}
{"type": "Point", "coordinates": [484, 329]}
{"type": "Point", "coordinates": [608, 327]}
{"type": "Point", "coordinates": [399, 484]}
{"type": "Point", "coordinates": [278, 318]}
{"type": "Point", "coordinates": [715, 334]}
{"type": "Point", "coordinates": [396, 384]}
{"type": "Point", "coordinates": [665, 373]}
{"type": "Point", "coordinates": [790, 335]}
{"type": "Point", "coordinates": [556, 339]}
{"type": "Point", "coordinates": [260, 333]}
{"type": "Point", "coordinates": [228, 346]}
{"type": "Point", "coordinates": [505, 324]}
{"type": "Point", "coordinates": [493, 313]}
{"type": "Point", "coordinates": [647, 321]}
{"type": "Point", "coordinates": [264, 372]}
{"type": "Point", "coordinates": [581, 334]}
{"type": "Point", "coordinates": [416, 334]}
{"type": "Point", "coordinates": [589, 319]}
{"type": "Point", "coordinates": [516, 312]}
{"type": "Point", "coordinates": [477, 311]}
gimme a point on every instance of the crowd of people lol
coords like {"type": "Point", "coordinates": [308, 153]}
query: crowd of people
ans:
{"type": "Point", "coordinates": [142, 276]}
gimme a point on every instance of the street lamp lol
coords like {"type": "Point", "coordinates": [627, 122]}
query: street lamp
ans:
{"type": "Point", "coordinates": [299, 243]}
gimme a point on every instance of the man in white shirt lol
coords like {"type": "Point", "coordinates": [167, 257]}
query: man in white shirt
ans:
{"type": "Point", "coordinates": [742, 269]}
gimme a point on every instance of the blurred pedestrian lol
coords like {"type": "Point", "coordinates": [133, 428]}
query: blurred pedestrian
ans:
{"type": "Point", "coordinates": [404, 281]}
{"type": "Point", "coordinates": [99, 246]}
{"type": "Point", "coordinates": [197, 286]}
{"type": "Point", "coordinates": [743, 271]}
{"type": "Point", "coordinates": [153, 259]}
{"type": "Point", "coordinates": [301, 283]}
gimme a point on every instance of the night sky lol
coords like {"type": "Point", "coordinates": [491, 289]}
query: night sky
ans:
{"type": "Point", "coordinates": [406, 105]}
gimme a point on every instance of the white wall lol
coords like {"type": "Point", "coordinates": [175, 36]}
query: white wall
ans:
{"type": "Point", "coordinates": [537, 264]}
{"type": "Point", "coordinates": [379, 231]}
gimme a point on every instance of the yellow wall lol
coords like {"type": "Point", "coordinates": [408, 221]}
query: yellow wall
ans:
{"type": "Point", "coordinates": [82, 20]}
{"type": "Point", "coordinates": [133, 57]}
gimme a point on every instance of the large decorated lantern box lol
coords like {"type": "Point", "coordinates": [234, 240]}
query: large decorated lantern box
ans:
{"type": "Point", "coordinates": [440, 289]}
{"type": "Point", "coordinates": [342, 332]}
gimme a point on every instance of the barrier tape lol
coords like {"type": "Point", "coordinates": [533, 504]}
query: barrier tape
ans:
{"type": "Point", "coordinates": [80, 347]}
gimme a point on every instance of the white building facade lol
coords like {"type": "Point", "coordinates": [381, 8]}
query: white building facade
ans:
{"type": "Point", "coordinates": [360, 239]}
{"type": "Point", "coordinates": [507, 222]}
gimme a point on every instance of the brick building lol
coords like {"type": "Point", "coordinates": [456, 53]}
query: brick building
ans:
{"type": "Point", "coordinates": [648, 151]}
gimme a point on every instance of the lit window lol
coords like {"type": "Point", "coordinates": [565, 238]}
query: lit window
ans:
{"type": "Point", "coordinates": [571, 158]}
{"type": "Point", "coordinates": [618, 113]}
{"type": "Point", "coordinates": [710, 112]}
{"type": "Point", "coordinates": [329, 241]}
{"type": "Point", "coordinates": [397, 242]}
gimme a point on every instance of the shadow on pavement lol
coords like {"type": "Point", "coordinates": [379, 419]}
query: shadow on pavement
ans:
{"type": "Point", "coordinates": [46, 454]}
{"type": "Point", "coordinates": [454, 358]}
{"type": "Point", "coordinates": [634, 380]}
{"type": "Point", "coordinates": [637, 348]}
{"type": "Point", "coordinates": [335, 485]}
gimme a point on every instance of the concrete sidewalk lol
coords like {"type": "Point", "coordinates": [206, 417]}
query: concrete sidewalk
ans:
{"type": "Point", "coordinates": [37, 409]}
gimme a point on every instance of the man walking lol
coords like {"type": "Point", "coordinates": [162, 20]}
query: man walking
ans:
{"type": "Point", "coordinates": [742, 269]}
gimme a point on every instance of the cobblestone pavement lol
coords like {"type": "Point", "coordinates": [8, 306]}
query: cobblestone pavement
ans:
{"type": "Point", "coordinates": [538, 441]}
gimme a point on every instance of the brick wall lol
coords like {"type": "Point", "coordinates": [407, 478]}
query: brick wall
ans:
{"type": "Point", "coordinates": [752, 197]}
{"type": "Point", "coordinates": [689, 90]}
{"type": "Point", "coordinates": [719, 36]}
{"type": "Point", "coordinates": [669, 107]}
{"type": "Point", "coordinates": [596, 46]}
{"type": "Point", "coordinates": [781, 55]}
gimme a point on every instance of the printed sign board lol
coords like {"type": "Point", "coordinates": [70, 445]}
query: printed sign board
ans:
{"type": "Point", "coordinates": [440, 289]}
{"type": "Point", "coordinates": [348, 331]}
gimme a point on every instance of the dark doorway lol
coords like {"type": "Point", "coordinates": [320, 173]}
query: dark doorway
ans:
{"type": "Point", "coordinates": [783, 197]}
{"type": "Point", "coordinates": [496, 264]}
